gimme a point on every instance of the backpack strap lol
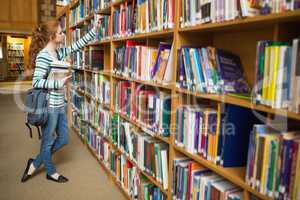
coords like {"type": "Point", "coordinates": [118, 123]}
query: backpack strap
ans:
{"type": "Point", "coordinates": [39, 131]}
{"type": "Point", "coordinates": [30, 130]}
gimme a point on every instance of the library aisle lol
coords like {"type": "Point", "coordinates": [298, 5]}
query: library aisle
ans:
{"type": "Point", "coordinates": [87, 179]}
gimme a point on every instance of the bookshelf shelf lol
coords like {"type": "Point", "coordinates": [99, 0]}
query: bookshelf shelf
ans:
{"type": "Point", "coordinates": [99, 42]}
{"type": "Point", "coordinates": [159, 34]}
{"type": "Point", "coordinates": [168, 87]}
{"type": "Point", "coordinates": [241, 102]}
{"type": "Point", "coordinates": [117, 3]}
{"type": "Point", "coordinates": [226, 35]}
{"type": "Point", "coordinates": [251, 22]}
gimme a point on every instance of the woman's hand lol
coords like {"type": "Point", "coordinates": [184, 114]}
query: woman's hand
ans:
{"type": "Point", "coordinates": [66, 79]}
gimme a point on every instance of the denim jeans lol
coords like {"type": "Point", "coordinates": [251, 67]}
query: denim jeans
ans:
{"type": "Point", "coordinates": [57, 122]}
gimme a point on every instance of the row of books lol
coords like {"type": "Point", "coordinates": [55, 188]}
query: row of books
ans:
{"type": "Point", "coordinates": [77, 60]}
{"type": "Point", "coordinates": [220, 136]}
{"type": "Point", "coordinates": [148, 107]}
{"type": "Point", "coordinates": [193, 12]}
{"type": "Point", "coordinates": [92, 6]}
{"type": "Point", "coordinates": [104, 31]}
{"type": "Point", "coordinates": [193, 181]}
{"type": "Point", "coordinates": [99, 87]}
{"type": "Point", "coordinates": [210, 70]}
{"type": "Point", "coordinates": [126, 172]}
{"type": "Point", "coordinates": [78, 33]}
{"type": "Point", "coordinates": [77, 100]}
{"type": "Point", "coordinates": [143, 16]}
{"type": "Point", "coordinates": [141, 62]}
{"type": "Point", "coordinates": [274, 162]}
{"type": "Point", "coordinates": [76, 122]}
{"type": "Point", "coordinates": [278, 75]}
{"type": "Point", "coordinates": [149, 154]}
{"type": "Point", "coordinates": [78, 79]}
{"type": "Point", "coordinates": [94, 58]}
{"type": "Point", "coordinates": [137, 186]}
{"type": "Point", "coordinates": [77, 14]}
{"type": "Point", "coordinates": [97, 116]}
{"type": "Point", "coordinates": [15, 53]}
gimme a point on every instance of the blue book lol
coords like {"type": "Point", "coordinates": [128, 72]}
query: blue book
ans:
{"type": "Point", "coordinates": [237, 124]}
{"type": "Point", "coordinates": [231, 73]}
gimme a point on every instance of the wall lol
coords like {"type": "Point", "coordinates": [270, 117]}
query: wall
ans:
{"type": "Point", "coordinates": [18, 16]}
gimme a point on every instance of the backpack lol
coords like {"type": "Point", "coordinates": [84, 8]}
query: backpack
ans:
{"type": "Point", "coordinates": [36, 108]}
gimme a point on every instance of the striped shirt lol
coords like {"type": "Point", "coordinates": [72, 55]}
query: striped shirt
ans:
{"type": "Point", "coordinates": [42, 66]}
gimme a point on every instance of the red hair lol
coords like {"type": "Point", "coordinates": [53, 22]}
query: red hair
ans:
{"type": "Point", "coordinates": [40, 37]}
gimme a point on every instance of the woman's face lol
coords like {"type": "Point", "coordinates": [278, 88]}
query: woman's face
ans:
{"type": "Point", "coordinates": [59, 36]}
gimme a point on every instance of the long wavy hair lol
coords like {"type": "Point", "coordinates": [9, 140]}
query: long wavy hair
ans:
{"type": "Point", "coordinates": [40, 37]}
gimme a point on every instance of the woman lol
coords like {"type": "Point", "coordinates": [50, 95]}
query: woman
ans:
{"type": "Point", "coordinates": [44, 49]}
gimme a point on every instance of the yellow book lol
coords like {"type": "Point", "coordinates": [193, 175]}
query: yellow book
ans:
{"type": "Point", "coordinates": [215, 152]}
{"type": "Point", "coordinates": [270, 75]}
{"type": "Point", "coordinates": [265, 165]}
{"type": "Point", "coordinates": [266, 74]}
{"type": "Point", "coordinates": [274, 76]}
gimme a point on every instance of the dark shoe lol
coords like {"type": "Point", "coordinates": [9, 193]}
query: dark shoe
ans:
{"type": "Point", "coordinates": [61, 179]}
{"type": "Point", "coordinates": [26, 176]}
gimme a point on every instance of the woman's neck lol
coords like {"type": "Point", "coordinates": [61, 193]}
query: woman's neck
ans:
{"type": "Point", "coordinates": [51, 46]}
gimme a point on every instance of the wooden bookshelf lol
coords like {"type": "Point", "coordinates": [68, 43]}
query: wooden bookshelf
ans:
{"type": "Point", "coordinates": [239, 36]}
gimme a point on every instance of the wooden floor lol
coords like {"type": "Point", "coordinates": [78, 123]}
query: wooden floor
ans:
{"type": "Point", "coordinates": [87, 179]}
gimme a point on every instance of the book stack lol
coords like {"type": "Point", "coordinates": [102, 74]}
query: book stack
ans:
{"type": "Point", "coordinates": [210, 70]}
{"type": "Point", "coordinates": [151, 108]}
{"type": "Point", "coordinates": [194, 12]}
{"type": "Point", "coordinates": [144, 63]}
{"type": "Point", "coordinates": [274, 162]}
{"type": "Point", "coordinates": [122, 97]}
{"type": "Point", "coordinates": [193, 181]}
{"type": "Point", "coordinates": [220, 137]}
{"type": "Point", "coordinates": [278, 75]}
{"type": "Point", "coordinates": [149, 191]}
{"type": "Point", "coordinates": [77, 14]}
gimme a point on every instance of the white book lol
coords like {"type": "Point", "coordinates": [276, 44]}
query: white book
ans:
{"type": "Point", "coordinates": [295, 77]}
{"type": "Point", "coordinates": [279, 82]}
{"type": "Point", "coordinates": [164, 161]}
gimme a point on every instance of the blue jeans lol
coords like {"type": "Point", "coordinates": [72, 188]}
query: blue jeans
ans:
{"type": "Point", "coordinates": [57, 122]}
